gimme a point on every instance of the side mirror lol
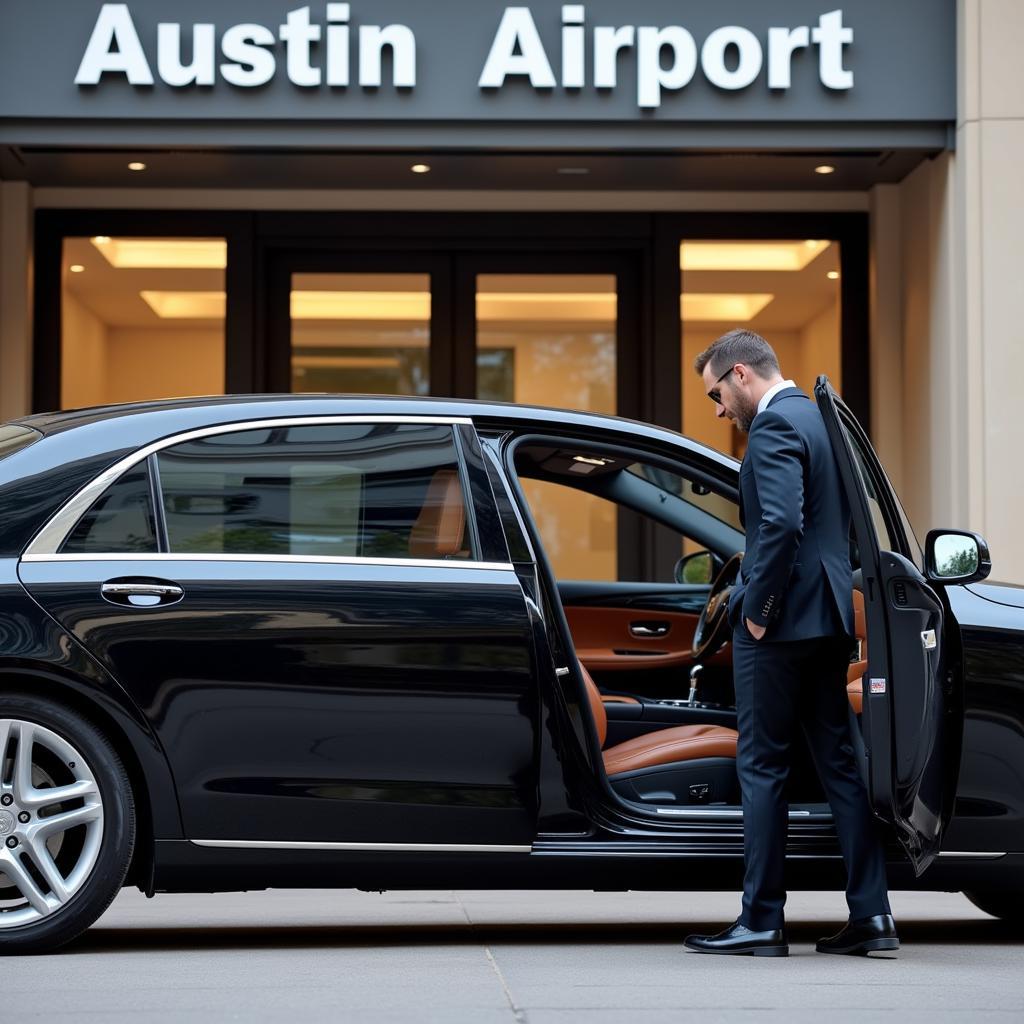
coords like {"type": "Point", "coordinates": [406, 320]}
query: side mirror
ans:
{"type": "Point", "coordinates": [956, 556]}
{"type": "Point", "coordinates": [698, 569]}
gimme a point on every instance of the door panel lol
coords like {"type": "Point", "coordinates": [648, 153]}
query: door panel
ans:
{"type": "Point", "coordinates": [911, 726]}
{"type": "Point", "coordinates": [320, 701]}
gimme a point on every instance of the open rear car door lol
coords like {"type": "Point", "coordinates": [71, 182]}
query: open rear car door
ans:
{"type": "Point", "coordinates": [912, 718]}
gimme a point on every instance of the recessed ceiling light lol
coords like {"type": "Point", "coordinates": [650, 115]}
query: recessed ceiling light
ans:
{"type": "Point", "coordinates": [833, 275]}
{"type": "Point", "coordinates": [573, 170]}
{"type": "Point", "coordinates": [824, 169]}
{"type": "Point", "coordinates": [812, 243]}
{"type": "Point", "coordinates": [76, 268]}
{"type": "Point", "coordinates": [101, 239]}
{"type": "Point", "coordinates": [420, 168]}
{"type": "Point", "coordinates": [136, 165]}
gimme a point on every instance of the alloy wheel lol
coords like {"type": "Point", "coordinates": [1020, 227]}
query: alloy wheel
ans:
{"type": "Point", "coordinates": [51, 822]}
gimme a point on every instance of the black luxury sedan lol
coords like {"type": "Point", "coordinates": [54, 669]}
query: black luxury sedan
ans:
{"type": "Point", "coordinates": [317, 640]}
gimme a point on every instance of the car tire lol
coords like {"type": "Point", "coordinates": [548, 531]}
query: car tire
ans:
{"type": "Point", "coordinates": [72, 855]}
{"type": "Point", "coordinates": [1007, 906]}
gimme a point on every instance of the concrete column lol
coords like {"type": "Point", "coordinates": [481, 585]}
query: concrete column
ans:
{"type": "Point", "coordinates": [989, 252]}
{"type": "Point", "coordinates": [885, 274]}
{"type": "Point", "coordinates": [15, 299]}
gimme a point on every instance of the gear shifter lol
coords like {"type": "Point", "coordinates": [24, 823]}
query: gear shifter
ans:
{"type": "Point", "coordinates": [694, 673]}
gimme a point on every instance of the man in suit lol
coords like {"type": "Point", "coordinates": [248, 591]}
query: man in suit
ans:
{"type": "Point", "coordinates": [792, 616]}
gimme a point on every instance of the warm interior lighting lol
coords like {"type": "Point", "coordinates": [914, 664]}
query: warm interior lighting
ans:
{"type": "Point", "coordinates": [749, 255]}
{"type": "Point", "coordinates": [347, 362]}
{"type": "Point", "coordinates": [491, 306]}
{"type": "Point", "coordinates": [136, 165]}
{"type": "Point", "coordinates": [824, 169]}
{"type": "Point", "coordinates": [734, 307]}
{"type": "Point", "coordinates": [833, 275]}
{"type": "Point", "coordinates": [360, 305]}
{"type": "Point", "coordinates": [547, 306]}
{"type": "Point", "coordinates": [420, 168]}
{"type": "Point", "coordinates": [76, 268]}
{"type": "Point", "coordinates": [186, 305]}
{"type": "Point", "coordinates": [163, 253]}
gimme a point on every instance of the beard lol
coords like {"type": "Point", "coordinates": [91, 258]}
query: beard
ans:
{"type": "Point", "coordinates": [745, 413]}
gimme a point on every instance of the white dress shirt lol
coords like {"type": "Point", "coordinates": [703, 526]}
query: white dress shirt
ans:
{"type": "Point", "coordinates": [772, 392]}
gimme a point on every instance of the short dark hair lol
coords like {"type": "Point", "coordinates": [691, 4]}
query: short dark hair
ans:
{"type": "Point", "coordinates": [739, 346]}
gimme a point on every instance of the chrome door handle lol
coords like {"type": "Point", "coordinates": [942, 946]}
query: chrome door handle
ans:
{"type": "Point", "coordinates": [648, 628]}
{"type": "Point", "coordinates": [138, 594]}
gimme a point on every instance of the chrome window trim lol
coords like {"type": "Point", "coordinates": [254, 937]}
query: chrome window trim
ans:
{"type": "Point", "coordinates": [49, 539]}
{"type": "Point", "coordinates": [166, 556]}
{"type": "Point", "coordinates": [274, 844]}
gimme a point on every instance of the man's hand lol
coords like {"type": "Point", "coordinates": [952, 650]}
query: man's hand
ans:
{"type": "Point", "coordinates": [756, 631]}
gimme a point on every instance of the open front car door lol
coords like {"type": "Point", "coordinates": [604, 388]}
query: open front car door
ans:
{"type": "Point", "coordinates": [912, 718]}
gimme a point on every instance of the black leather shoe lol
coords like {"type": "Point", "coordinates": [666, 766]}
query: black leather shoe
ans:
{"type": "Point", "coordinates": [739, 940]}
{"type": "Point", "coordinates": [863, 936]}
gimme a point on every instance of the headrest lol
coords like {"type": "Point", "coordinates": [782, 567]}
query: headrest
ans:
{"type": "Point", "coordinates": [441, 525]}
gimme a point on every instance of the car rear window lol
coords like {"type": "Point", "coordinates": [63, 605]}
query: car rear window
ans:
{"type": "Point", "coordinates": [14, 437]}
{"type": "Point", "coordinates": [120, 521]}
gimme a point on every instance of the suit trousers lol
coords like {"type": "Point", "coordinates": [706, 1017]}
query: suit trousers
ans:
{"type": "Point", "coordinates": [780, 686]}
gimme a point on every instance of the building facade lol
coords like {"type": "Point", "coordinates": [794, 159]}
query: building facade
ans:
{"type": "Point", "coordinates": [557, 204]}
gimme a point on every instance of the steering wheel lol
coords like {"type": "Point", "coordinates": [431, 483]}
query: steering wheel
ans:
{"type": "Point", "coordinates": [712, 630]}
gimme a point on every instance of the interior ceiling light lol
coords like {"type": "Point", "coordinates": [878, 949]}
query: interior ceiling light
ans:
{"type": "Point", "coordinates": [420, 168]}
{"type": "Point", "coordinates": [338, 362]}
{"type": "Point", "coordinates": [136, 165]}
{"type": "Point", "coordinates": [573, 170]}
{"type": "Point", "coordinates": [186, 305]}
{"type": "Point", "coordinates": [779, 256]}
{"type": "Point", "coordinates": [76, 268]}
{"type": "Point", "coordinates": [824, 169]}
{"type": "Point", "coordinates": [833, 275]}
{"type": "Point", "coordinates": [164, 253]}
{"type": "Point", "coordinates": [587, 459]}
{"type": "Point", "coordinates": [731, 307]}
{"type": "Point", "coordinates": [735, 307]}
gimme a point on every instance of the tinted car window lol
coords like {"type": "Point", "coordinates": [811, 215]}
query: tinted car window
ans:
{"type": "Point", "coordinates": [354, 490]}
{"type": "Point", "coordinates": [119, 521]}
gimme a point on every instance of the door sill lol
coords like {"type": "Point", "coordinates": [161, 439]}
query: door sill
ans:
{"type": "Point", "coordinates": [805, 814]}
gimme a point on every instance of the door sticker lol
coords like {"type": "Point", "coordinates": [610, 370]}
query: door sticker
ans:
{"type": "Point", "coordinates": [878, 686]}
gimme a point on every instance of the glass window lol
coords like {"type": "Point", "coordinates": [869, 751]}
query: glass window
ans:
{"type": "Point", "coordinates": [355, 490]}
{"type": "Point", "coordinates": [14, 437]}
{"type": "Point", "coordinates": [141, 318]}
{"type": "Point", "coordinates": [361, 333]}
{"type": "Point", "coordinates": [723, 509]}
{"type": "Point", "coordinates": [120, 521]}
{"type": "Point", "coordinates": [784, 289]}
{"type": "Point", "coordinates": [547, 339]}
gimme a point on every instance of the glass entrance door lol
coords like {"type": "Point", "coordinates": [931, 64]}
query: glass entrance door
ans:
{"type": "Point", "coordinates": [556, 329]}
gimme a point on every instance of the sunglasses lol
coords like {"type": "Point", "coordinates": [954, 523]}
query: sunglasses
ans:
{"type": "Point", "coordinates": [715, 393]}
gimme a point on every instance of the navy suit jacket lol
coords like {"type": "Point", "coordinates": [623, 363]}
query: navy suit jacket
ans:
{"type": "Point", "coordinates": [795, 577]}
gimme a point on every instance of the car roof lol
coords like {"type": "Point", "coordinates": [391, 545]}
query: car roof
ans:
{"type": "Point", "coordinates": [138, 423]}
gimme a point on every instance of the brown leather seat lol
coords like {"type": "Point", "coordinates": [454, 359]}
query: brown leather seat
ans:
{"type": "Point", "coordinates": [855, 675]}
{"type": "Point", "coordinates": [440, 528]}
{"type": "Point", "coordinates": [663, 746]}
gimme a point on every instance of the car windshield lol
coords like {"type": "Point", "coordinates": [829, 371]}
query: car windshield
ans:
{"type": "Point", "coordinates": [724, 509]}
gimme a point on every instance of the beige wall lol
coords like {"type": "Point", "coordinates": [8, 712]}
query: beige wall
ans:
{"type": "Point", "coordinates": [146, 363]}
{"type": "Point", "coordinates": [84, 356]}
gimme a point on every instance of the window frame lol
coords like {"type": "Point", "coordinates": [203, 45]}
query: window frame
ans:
{"type": "Point", "coordinates": [46, 544]}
